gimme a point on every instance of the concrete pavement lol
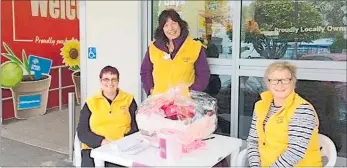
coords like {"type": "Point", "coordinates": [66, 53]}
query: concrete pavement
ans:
{"type": "Point", "coordinates": [17, 154]}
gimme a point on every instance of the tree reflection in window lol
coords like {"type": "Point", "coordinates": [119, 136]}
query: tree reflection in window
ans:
{"type": "Point", "coordinates": [282, 14]}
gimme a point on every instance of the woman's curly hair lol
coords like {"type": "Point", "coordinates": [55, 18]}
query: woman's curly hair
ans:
{"type": "Point", "coordinates": [163, 17]}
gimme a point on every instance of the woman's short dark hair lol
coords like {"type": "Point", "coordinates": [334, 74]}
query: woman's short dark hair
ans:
{"type": "Point", "coordinates": [109, 69]}
{"type": "Point", "coordinates": [163, 17]}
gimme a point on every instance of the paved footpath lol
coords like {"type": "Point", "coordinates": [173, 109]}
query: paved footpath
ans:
{"type": "Point", "coordinates": [17, 154]}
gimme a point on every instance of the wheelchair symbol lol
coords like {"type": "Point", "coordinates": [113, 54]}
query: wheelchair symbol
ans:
{"type": "Point", "coordinates": [92, 53]}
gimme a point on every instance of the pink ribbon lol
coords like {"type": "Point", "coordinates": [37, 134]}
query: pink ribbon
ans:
{"type": "Point", "coordinates": [193, 146]}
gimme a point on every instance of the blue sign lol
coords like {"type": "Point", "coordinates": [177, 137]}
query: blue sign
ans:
{"type": "Point", "coordinates": [92, 52]}
{"type": "Point", "coordinates": [39, 66]}
{"type": "Point", "coordinates": [29, 101]}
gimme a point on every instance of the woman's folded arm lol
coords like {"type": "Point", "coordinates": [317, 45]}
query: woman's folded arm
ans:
{"type": "Point", "coordinates": [252, 144]}
{"type": "Point", "coordinates": [132, 110]}
{"type": "Point", "coordinates": [84, 132]}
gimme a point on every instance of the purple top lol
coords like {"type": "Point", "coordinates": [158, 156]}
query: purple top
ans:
{"type": "Point", "coordinates": [202, 70]}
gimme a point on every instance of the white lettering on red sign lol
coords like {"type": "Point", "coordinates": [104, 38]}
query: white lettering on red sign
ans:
{"type": "Point", "coordinates": [64, 9]}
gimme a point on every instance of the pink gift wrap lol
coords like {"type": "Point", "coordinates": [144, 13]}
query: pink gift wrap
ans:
{"type": "Point", "coordinates": [189, 119]}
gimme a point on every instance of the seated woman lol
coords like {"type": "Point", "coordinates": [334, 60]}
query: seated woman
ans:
{"type": "Point", "coordinates": [284, 129]}
{"type": "Point", "coordinates": [107, 116]}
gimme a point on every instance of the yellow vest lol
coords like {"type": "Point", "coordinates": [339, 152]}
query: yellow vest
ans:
{"type": "Point", "coordinates": [273, 142]}
{"type": "Point", "coordinates": [180, 70]}
{"type": "Point", "coordinates": [111, 121]}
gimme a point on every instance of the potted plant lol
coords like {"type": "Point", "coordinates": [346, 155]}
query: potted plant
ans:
{"type": "Point", "coordinates": [71, 57]}
{"type": "Point", "coordinates": [30, 95]}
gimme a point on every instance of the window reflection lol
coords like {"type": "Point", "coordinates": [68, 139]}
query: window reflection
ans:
{"type": "Point", "coordinates": [209, 21]}
{"type": "Point", "coordinates": [220, 88]}
{"type": "Point", "coordinates": [328, 98]}
{"type": "Point", "coordinates": [293, 29]}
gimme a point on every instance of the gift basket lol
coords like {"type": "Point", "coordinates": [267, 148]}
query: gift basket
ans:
{"type": "Point", "coordinates": [188, 116]}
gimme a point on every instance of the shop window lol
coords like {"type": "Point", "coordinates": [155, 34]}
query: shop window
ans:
{"type": "Point", "coordinates": [294, 30]}
{"type": "Point", "coordinates": [209, 22]}
{"type": "Point", "coordinates": [328, 98]}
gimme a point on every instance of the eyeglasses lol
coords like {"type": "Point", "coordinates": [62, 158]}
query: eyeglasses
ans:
{"type": "Point", "coordinates": [106, 80]}
{"type": "Point", "coordinates": [283, 81]}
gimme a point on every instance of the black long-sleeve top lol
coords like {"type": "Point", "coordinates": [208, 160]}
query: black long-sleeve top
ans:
{"type": "Point", "coordinates": [93, 140]}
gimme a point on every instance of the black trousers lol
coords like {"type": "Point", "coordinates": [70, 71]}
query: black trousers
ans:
{"type": "Point", "coordinates": [88, 161]}
{"type": "Point", "coordinates": [222, 163]}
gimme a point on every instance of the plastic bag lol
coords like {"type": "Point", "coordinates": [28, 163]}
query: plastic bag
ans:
{"type": "Point", "coordinates": [193, 114]}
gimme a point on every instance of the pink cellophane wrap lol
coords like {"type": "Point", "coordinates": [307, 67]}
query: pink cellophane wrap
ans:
{"type": "Point", "coordinates": [193, 117]}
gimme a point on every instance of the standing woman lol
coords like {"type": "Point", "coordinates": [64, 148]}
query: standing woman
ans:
{"type": "Point", "coordinates": [174, 58]}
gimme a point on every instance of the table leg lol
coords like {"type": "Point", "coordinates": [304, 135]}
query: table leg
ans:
{"type": "Point", "coordinates": [233, 157]}
{"type": "Point", "coordinates": [99, 163]}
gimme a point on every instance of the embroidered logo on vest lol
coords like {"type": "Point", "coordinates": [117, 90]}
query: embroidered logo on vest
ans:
{"type": "Point", "coordinates": [123, 108]}
{"type": "Point", "coordinates": [186, 59]}
{"type": "Point", "coordinates": [280, 119]}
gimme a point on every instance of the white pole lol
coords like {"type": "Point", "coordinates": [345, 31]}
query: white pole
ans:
{"type": "Point", "coordinates": [71, 124]}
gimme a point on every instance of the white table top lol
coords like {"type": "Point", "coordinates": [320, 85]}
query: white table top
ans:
{"type": "Point", "coordinates": [216, 150]}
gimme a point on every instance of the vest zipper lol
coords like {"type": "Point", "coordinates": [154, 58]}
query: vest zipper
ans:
{"type": "Point", "coordinates": [264, 126]}
{"type": "Point", "coordinates": [172, 65]}
{"type": "Point", "coordinates": [171, 73]}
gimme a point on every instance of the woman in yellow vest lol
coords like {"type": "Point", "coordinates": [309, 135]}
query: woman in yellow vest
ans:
{"type": "Point", "coordinates": [174, 58]}
{"type": "Point", "coordinates": [107, 116]}
{"type": "Point", "coordinates": [284, 129]}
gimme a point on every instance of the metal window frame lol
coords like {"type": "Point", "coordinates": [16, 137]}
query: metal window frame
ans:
{"type": "Point", "coordinates": [146, 27]}
{"type": "Point", "coordinates": [231, 67]}
{"type": "Point", "coordinates": [235, 66]}
{"type": "Point", "coordinates": [302, 73]}
{"type": "Point", "coordinates": [304, 64]}
{"type": "Point", "coordinates": [146, 35]}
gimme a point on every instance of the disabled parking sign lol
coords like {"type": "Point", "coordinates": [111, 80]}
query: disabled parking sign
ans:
{"type": "Point", "coordinates": [91, 52]}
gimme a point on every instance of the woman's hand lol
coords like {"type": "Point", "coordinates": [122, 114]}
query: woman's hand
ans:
{"type": "Point", "coordinates": [104, 142]}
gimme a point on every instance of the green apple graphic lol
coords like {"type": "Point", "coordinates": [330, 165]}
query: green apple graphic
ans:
{"type": "Point", "coordinates": [11, 74]}
{"type": "Point", "coordinates": [12, 71]}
